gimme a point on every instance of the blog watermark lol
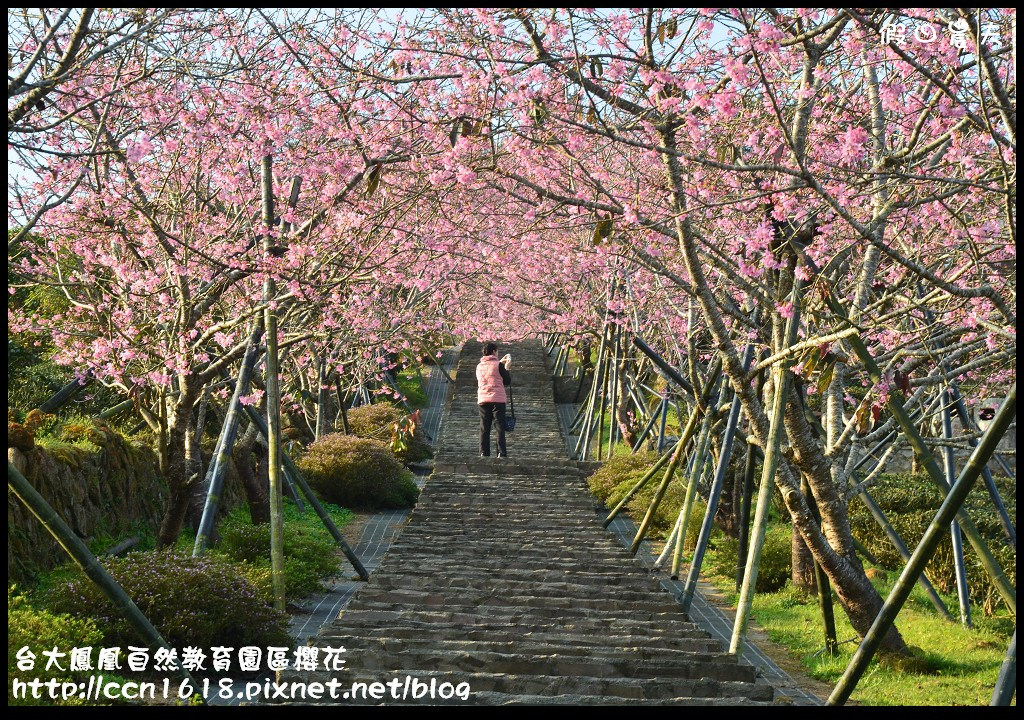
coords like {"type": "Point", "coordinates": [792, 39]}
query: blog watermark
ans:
{"type": "Point", "coordinates": [101, 687]}
{"type": "Point", "coordinates": [906, 32]}
{"type": "Point", "coordinates": [245, 659]}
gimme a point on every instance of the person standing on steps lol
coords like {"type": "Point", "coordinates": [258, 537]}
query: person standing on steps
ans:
{"type": "Point", "coordinates": [492, 375]}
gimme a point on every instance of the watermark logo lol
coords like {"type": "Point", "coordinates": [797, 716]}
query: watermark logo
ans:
{"type": "Point", "coordinates": [903, 33]}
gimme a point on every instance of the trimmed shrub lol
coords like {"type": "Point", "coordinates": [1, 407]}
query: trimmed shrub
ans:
{"type": "Point", "coordinates": [358, 472]}
{"type": "Point", "coordinates": [377, 422]}
{"type": "Point", "coordinates": [309, 558]}
{"type": "Point", "coordinates": [202, 601]}
{"type": "Point", "coordinates": [617, 471]}
{"type": "Point", "coordinates": [41, 630]}
{"type": "Point", "coordinates": [776, 558]}
{"type": "Point", "coordinates": [910, 502]}
{"type": "Point", "coordinates": [619, 474]}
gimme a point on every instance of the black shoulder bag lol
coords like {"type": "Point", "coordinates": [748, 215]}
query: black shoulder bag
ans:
{"type": "Point", "coordinates": [510, 416]}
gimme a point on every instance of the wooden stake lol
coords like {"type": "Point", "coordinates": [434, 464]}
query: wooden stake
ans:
{"type": "Point", "coordinates": [949, 465]}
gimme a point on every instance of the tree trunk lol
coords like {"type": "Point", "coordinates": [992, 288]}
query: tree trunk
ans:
{"type": "Point", "coordinates": [626, 428]}
{"type": "Point", "coordinates": [728, 506]}
{"type": "Point", "coordinates": [197, 490]}
{"type": "Point", "coordinates": [180, 451]}
{"type": "Point", "coordinates": [253, 481]}
{"type": "Point", "coordinates": [801, 564]}
{"type": "Point", "coordinates": [832, 543]}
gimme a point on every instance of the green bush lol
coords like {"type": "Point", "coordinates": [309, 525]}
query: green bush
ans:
{"type": "Point", "coordinates": [309, 557]}
{"type": "Point", "coordinates": [910, 502]}
{"type": "Point", "coordinates": [41, 630]}
{"type": "Point", "coordinates": [617, 471]}
{"type": "Point", "coordinates": [619, 474]}
{"type": "Point", "coordinates": [358, 472]}
{"type": "Point", "coordinates": [202, 601]}
{"type": "Point", "coordinates": [377, 422]}
{"type": "Point", "coordinates": [776, 558]}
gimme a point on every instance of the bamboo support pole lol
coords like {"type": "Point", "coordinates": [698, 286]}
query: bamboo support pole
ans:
{"type": "Point", "coordinates": [986, 474]}
{"type": "Point", "coordinates": [116, 409]}
{"type": "Point", "coordinates": [949, 465]}
{"type": "Point", "coordinates": [595, 389]}
{"type": "Point", "coordinates": [292, 471]}
{"type": "Point", "coordinates": [273, 398]}
{"type": "Point", "coordinates": [715, 494]}
{"type": "Point", "coordinates": [613, 388]}
{"type": "Point", "coordinates": [1006, 683]}
{"type": "Point", "coordinates": [63, 395]}
{"type": "Point", "coordinates": [663, 365]}
{"type": "Point", "coordinates": [658, 495]}
{"type": "Point", "coordinates": [639, 485]}
{"type": "Point", "coordinates": [321, 398]}
{"type": "Point", "coordinates": [821, 583]}
{"type": "Point", "coordinates": [341, 407]}
{"type": "Point", "coordinates": [664, 419]}
{"type": "Point", "coordinates": [584, 429]}
{"type": "Point", "coordinates": [684, 438]}
{"type": "Point", "coordinates": [864, 552]}
{"type": "Point", "coordinates": [670, 542]}
{"type": "Point", "coordinates": [87, 562]}
{"type": "Point", "coordinates": [601, 405]}
{"type": "Point", "coordinates": [828, 619]}
{"type": "Point", "coordinates": [648, 427]}
{"type": "Point", "coordinates": [749, 467]}
{"type": "Point", "coordinates": [926, 548]}
{"type": "Point", "coordinates": [225, 444]}
{"type": "Point", "coordinates": [693, 479]}
{"type": "Point", "coordinates": [772, 456]}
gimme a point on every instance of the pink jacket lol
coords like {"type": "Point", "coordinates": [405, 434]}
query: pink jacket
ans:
{"type": "Point", "coordinates": [488, 381]}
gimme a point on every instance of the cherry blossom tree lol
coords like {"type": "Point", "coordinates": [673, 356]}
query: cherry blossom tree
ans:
{"type": "Point", "coordinates": [496, 172]}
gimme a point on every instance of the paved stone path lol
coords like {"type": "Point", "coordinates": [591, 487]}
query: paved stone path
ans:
{"type": "Point", "coordinates": [504, 579]}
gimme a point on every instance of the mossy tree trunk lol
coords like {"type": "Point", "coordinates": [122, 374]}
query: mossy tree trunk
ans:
{"type": "Point", "coordinates": [179, 453]}
{"type": "Point", "coordinates": [250, 462]}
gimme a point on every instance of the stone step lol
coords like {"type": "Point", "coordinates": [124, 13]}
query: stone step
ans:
{"type": "Point", "coordinates": [493, 565]}
{"type": "Point", "coordinates": [467, 575]}
{"type": "Point", "coordinates": [483, 614]}
{"type": "Point", "coordinates": [513, 623]}
{"type": "Point", "coordinates": [540, 588]}
{"type": "Point", "coordinates": [683, 650]}
{"type": "Point", "coordinates": [494, 698]}
{"type": "Point", "coordinates": [687, 637]}
{"type": "Point", "coordinates": [456, 599]}
{"type": "Point", "coordinates": [525, 664]}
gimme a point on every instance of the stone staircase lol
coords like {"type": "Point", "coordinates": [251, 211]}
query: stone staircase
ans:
{"type": "Point", "coordinates": [504, 579]}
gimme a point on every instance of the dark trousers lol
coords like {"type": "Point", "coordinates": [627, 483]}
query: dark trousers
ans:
{"type": "Point", "coordinates": [488, 413]}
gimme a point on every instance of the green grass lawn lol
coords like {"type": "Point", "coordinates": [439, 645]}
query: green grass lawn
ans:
{"type": "Point", "coordinates": [410, 384]}
{"type": "Point", "coordinates": [952, 665]}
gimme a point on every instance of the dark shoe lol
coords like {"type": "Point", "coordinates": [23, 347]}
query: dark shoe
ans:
{"type": "Point", "coordinates": [484, 455]}
{"type": "Point", "coordinates": [503, 456]}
